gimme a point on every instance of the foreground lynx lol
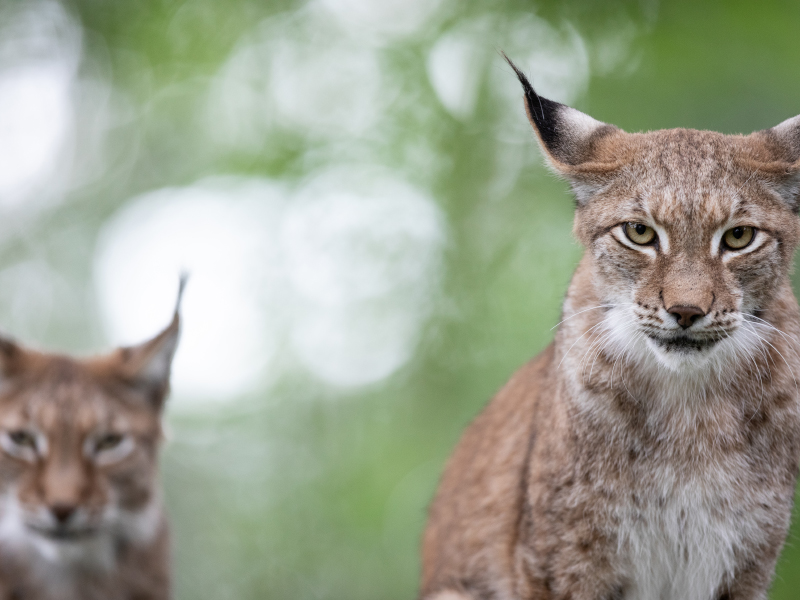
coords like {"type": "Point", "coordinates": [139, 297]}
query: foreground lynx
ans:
{"type": "Point", "coordinates": [651, 451]}
{"type": "Point", "coordinates": [80, 510]}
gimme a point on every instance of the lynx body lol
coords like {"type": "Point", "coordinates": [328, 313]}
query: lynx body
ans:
{"type": "Point", "coordinates": [651, 451]}
{"type": "Point", "coordinates": [80, 507]}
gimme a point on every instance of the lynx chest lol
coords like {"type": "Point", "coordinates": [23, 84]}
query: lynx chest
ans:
{"type": "Point", "coordinates": [684, 538]}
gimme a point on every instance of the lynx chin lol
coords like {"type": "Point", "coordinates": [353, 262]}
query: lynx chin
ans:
{"type": "Point", "coordinates": [80, 506]}
{"type": "Point", "coordinates": [651, 451]}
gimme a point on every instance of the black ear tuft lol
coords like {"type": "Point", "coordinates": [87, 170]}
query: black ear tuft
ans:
{"type": "Point", "coordinates": [183, 278]}
{"type": "Point", "coordinates": [569, 138]}
{"type": "Point", "coordinates": [543, 113]}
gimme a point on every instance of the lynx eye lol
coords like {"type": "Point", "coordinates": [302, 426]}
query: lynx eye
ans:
{"type": "Point", "coordinates": [738, 237]}
{"type": "Point", "coordinates": [23, 438]}
{"type": "Point", "coordinates": [639, 233]}
{"type": "Point", "coordinates": [108, 442]}
{"type": "Point", "coordinates": [22, 444]}
{"type": "Point", "coordinates": [109, 448]}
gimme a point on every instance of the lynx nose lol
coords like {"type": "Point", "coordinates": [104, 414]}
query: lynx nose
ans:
{"type": "Point", "coordinates": [685, 315]}
{"type": "Point", "coordinates": [62, 512]}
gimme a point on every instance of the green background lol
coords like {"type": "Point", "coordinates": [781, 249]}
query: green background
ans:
{"type": "Point", "coordinates": [300, 489]}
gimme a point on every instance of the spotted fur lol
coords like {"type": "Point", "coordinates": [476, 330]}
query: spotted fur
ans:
{"type": "Point", "coordinates": [651, 451]}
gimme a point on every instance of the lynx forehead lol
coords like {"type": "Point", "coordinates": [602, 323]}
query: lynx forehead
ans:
{"type": "Point", "coordinates": [651, 451]}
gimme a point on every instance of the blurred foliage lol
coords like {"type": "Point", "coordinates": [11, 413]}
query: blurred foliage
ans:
{"type": "Point", "coordinates": [304, 490]}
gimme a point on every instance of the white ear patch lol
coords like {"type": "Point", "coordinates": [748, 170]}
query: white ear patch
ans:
{"type": "Point", "coordinates": [158, 366]}
{"type": "Point", "coordinates": [788, 132]}
{"type": "Point", "coordinates": [788, 129]}
{"type": "Point", "coordinates": [579, 125]}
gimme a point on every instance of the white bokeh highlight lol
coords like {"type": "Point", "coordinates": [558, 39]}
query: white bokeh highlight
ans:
{"type": "Point", "coordinates": [383, 21]}
{"type": "Point", "coordinates": [558, 60]}
{"type": "Point", "coordinates": [35, 113]}
{"type": "Point", "coordinates": [29, 292]}
{"type": "Point", "coordinates": [39, 55]}
{"type": "Point", "coordinates": [326, 87]}
{"type": "Point", "coordinates": [364, 256]}
{"type": "Point", "coordinates": [456, 64]}
{"type": "Point", "coordinates": [295, 72]}
{"type": "Point", "coordinates": [335, 278]}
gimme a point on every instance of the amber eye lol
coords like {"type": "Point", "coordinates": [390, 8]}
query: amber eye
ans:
{"type": "Point", "coordinates": [738, 237]}
{"type": "Point", "coordinates": [23, 438]}
{"type": "Point", "coordinates": [107, 442]}
{"type": "Point", "coordinates": [640, 234]}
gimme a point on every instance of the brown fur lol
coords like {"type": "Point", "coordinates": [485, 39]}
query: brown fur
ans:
{"type": "Point", "coordinates": [80, 515]}
{"type": "Point", "coordinates": [633, 459]}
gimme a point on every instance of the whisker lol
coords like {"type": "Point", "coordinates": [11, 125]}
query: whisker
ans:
{"type": "Point", "coordinates": [579, 339]}
{"type": "Point", "coordinates": [597, 353]}
{"type": "Point", "coordinates": [764, 323]}
{"type": "Point", "coordinates": [597, 343]}
{"type": "Point", "coordinates": [791, 372]}
{"type": "Point", "coordinates": [760, 379]}
{"type": "Point", "coordinates": [746, 181]}
{"type": "Point", "coordinates": [597, 348]}
{"type": "Point", "coordinates": [636, 333]}
{"type": "Point", "coordinates": [580, 312]}
{"type": "Point", "coordinates": [627, 327]}
{"type": "Point", "coordinates": [617, 360]}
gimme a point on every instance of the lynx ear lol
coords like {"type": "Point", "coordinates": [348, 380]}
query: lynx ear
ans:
{"type": "Point", "coordinates": [569, 139]}
{"type": "Point", "coordinates": [147, 366]}
{"type": "Point", "coordinates": [788, 134]}
{"type": "Point", "coordinates": [782, 164]}
{"type": "Point", "coordinates": [10, 355]}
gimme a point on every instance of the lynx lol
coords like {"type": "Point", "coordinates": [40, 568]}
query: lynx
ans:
{"type": "Point", "coordinates": [651, 451]}
{"type": "Point", "coordinates": [80, 507]}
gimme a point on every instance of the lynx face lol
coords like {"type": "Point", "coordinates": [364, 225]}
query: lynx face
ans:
{"type": "Point", "coordinates": [688, 255]}
{"type": "Point", "coordinates": [690, 233]}
{"type": "Point", "coordinates": [78, 450]}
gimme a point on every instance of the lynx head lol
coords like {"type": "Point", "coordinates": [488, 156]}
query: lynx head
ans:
{"type": "Point", "coordinates": [78, 447]}
{"type": "Point", "coordinates": [689, 234]}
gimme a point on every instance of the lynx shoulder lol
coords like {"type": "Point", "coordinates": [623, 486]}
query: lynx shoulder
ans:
{"type": "Point", "coordinates": [651, 451]}
{"type": "Point", "coordinates": [80, 506]}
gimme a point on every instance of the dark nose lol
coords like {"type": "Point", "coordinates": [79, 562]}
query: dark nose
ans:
{"type": "Point", "coordinates": [62, 512]}
{"type": "Point", "coordinates": [685, 315]}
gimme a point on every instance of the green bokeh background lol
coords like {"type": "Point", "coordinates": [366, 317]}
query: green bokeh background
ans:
{"type": "Point", "coordinates": [303, 490]}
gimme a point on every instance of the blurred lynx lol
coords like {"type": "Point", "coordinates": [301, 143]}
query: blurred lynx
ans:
{"type": "Point", "coordinates": [651, 451]}
{"type": "Point", "coordinates": [80, 508]}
